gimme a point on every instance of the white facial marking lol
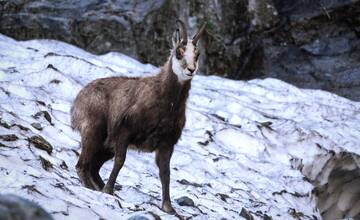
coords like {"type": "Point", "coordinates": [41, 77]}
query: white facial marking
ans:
{"type": "Point", "coordinates": [191, 63]}
{"type": "Point", "coordinates": [178, 70]}
{"type": "Point", "coordinates": [189, 55]}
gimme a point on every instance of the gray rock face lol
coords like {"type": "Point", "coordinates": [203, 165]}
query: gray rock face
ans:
{"type": "Point", "coordinates": [312, 44]}
{"type": "Point", "coordinates": [16, 208]}
{"type": "Point", "coordinates": [318, 46]}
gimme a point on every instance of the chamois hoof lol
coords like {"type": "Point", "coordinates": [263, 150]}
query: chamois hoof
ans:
{"type": "Point", "coordinates": [85, 179]}
{"type": "Point", "coordinates": [168, 209]}
{"type": "Point", "coordinates": [108, 190]}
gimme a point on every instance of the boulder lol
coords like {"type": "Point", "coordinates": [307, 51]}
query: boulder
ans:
{"type": "Point", "coordinates": [13, 207]}
{"type": "Point", "coordinates": [185, 201]}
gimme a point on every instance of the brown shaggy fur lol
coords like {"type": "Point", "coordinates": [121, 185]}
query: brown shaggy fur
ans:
{"type": "Point", "coordinates": [148, 114]}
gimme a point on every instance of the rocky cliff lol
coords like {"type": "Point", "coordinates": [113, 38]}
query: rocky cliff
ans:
{"type": "Point", "coordinates": [312, 44]}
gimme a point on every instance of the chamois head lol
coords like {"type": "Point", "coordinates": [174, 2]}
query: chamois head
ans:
{"type": "Point", "coordinates": [185, 53]}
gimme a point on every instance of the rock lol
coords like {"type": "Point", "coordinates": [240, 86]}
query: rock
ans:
{"type": "Point", "coordinates": [296, 41]}
{"type": "Point", "coordinates": [9, 137]}
{"type": "Point", "coordinates": [186, 182]}
{"type": "Point", "coordinates": [185, 201]}
{"type": "Point", "coordinates": [328, 46]}
{"type": "Point", "coordinates": [37, 126]}
{"type": "Point", "coordinates": [138, 217]}
{"type": "Point", "coordinates": [47, 165]}
{"type": "Point", "coordinates": [4, 124]}
{"type": "Point", "coordinates": [300, 10]}
{"type": "Point", "coordinates": [223, 196]}
{"type": "Point", "coordinates": [317, 42]}
{"type": "Point", "coordinates": [296, 214]}
{"type": "Point", "coordinates": [245, 214]}
{"type": "Point", "coordinates": [41, 143]}
{"type": "Point", "coordinates": [45, 114]}
{"type": "Point", "coordinates": [266, 217]}
{"type": "Point", "coordinates": [14, 207]}
{"type": "Point", "coordinates": [64, 166]}
{"type": "Point", "coordinates": [263, 14]}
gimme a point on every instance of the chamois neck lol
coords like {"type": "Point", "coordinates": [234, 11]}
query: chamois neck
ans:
{"type": "Point", "coordinates": [171, 85]}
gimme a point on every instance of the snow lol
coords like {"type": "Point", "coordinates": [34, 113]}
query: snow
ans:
{"type": "Point", "coordinates": [238, 150]}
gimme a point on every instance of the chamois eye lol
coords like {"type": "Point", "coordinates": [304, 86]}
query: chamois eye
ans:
{"type": "Point", "coordinates": [179, 53]}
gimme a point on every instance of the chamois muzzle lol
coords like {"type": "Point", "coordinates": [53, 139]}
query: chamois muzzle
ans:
{"type": "Point", "coordinates": [191, 70]}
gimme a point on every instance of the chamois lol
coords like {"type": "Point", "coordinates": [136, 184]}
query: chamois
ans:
{"type": "Point", "coordinates": [144, 113]}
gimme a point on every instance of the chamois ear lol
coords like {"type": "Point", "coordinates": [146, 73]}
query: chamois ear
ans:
{"type": "Point", "coordinates": [183, 32]}
{"type": "Point", "coordinates": [198, 34]}
{"type": "Point", "coordinates": [175, 38]}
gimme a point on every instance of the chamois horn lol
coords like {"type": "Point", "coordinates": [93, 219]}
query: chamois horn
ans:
{"type": "Point", "coordinates": [183, 32]}
{"type": "Point", "coordinates": [198, 34]}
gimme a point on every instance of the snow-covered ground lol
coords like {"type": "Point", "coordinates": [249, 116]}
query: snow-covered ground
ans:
{"type": "Point", "coordinates": [244, 151]}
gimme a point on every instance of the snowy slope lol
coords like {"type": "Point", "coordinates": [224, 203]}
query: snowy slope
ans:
{"type": "Point", "coordinates": [245, 148]}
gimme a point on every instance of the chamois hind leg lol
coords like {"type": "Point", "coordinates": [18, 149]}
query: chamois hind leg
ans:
{"type": "Point", "coordinates": [119, 145]}
{"type": "Point", "coordinates": [101, 157]}
{"type": "Point", "coordinates": [91, 141]}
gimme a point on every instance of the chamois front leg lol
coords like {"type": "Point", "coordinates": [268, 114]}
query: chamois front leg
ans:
{"type": "Point", "coordinates": [163, 156]}
{"type": "Point", "coordinates": [120, 155]}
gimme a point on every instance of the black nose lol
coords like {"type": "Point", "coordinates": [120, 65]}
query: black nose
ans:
{"type": "Point", "coordinates": [191, 70]}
